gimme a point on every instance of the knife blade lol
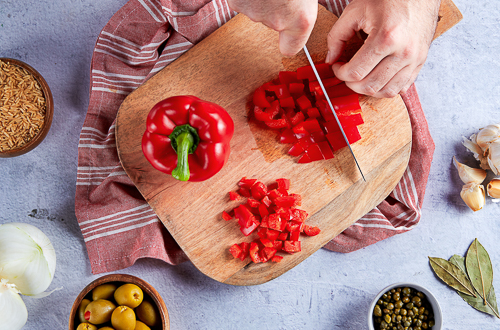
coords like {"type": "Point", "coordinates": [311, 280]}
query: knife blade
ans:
{"type": "Point", "coordinates": [331, 108]}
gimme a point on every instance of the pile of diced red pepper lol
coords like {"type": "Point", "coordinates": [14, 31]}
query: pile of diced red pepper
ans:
{"type": "Point", "coordinates": [271, 212]}
{"type": "Point", "coordinates": [295, 104]}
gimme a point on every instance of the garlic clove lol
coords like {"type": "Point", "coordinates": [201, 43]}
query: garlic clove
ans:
{"type": "Point", "coordinates": [473, 146]}
{"type": "Point", "coordinates": [469, 174]}
{"type": "Point", "coordinates": [487, 135]}
{"type": "Point", "coordinates": [494, 189]}
{"type": "Point", "coordinates": [473, 195]}
{"type": "Point", "coordinates": [494, 157]}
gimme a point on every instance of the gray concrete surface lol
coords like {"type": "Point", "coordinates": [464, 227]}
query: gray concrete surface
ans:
{"type": "Point", "coordinates": [459, 88]}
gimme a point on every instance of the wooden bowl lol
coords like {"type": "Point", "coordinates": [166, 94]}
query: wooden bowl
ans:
{"type": "Point", "coordinates": [49, 112]}
{"type": "Point", "coordinates": [125, 278]}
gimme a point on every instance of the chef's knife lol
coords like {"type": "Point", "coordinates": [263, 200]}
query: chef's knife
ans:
{"type": "Point", "coordinates": [331, 107]}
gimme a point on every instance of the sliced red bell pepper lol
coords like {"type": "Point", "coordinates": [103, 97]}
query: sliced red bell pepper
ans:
{"type": "Point", "coordinates": [248, 230]}
{"type": "Point", "coordinates": [338, 90]}
{"type": "Point", "coordinates": [269, 252]}
{"type": "Point", "coordinates": [266, 201]}
{"type": "Point", "coordinates": [274, 109]}
{"type": "Point", "coordinates": [294, 235]}
{"type": "Point", "coordinates": [297, 118]}
{"type": "Point", "coordinates": [244, 216]}
{"type": "Point", "coordinates": [313, 113]}
{"type": "Point", "coordinates": [259, 190]}
{"type": "Point", "coordinates": [287, 136]}
{"type": "Point", "coordinates": [288, 77]}
{"type": "Point", "coordinates": [263, 211]}
{"type": "Point", "coordinates": [346, 121]}
{"type": "Point", "coordinates": [283, 183]}
{"type": "Point", "coordinates": [318, 137]}
{"type": "Point", "coordinates": [234, 196]}
{"type": "Point", "coordinates": [245, 248]}
{"type": "Point", "coordinates": [277, 123]}
{"type": "Point", "coordinates": [285, 201]}
{"type": "Point", "coordinates": [314, 152]}
{"type": "Point", "coordinates": [245, 192]}
{"type": "Point", "coordinates": [298, 201]}
{"type": "Point", "coordinates": [276, 258]}
{"type": "Point", "coordinates": [254, 252]}
{"type": "Point", "coordinates": [326, 150]}
{"type": "Point", "coordinates": [304, 159]}
{"type": "Point", "coordinates": [306, 72]}
{"type": "Point", "coordinates": [253, 203]}
{"type": "Point", "coordinates": [260, 115]}
{"type": "Point", "coordinates": [266, 242]}
{"type": "Point", "coordinates": [246, 183]}
{"type": "Point", "coordinates": [299, 215]}
{"type": "Point", "coordinates": [262, 232]}
{"type": "Point", "coordinates": [296, 150]}
{"type": "Point", "coordinates": [236, 251]}
{"type": "Point", "coordinates": [311, 231]}
{"type": "Point", "coordinates": [283, 236]}
{"type": "Point", "coordinates": [296, 89]}
{"type": "Point", "coordinates": [304, 103]}
{"type": "Point", "coordinates": [311, 125]}
{"type": "Point", "coordinates": [274, 222]}
{"type": "Point", "coordinates": [265, 222]}
{"type": "Point", "coordinates": [346, 104]}
{"type": "Point", "coordinates": [292, 246]}
{"type": "Point", "coordinates": [226, 216]}
{"type": "Point", "coordinates": [315, 87]}
{"type": "Point", "coordinates": [278, 245]}
{"type": "Point", "coordinates": [287, 102]}
{"type": "Point", "coordinates": [337, 141]}
{"type": "Point", "coordinates": [281, 91]}
{"type": "Point", "coordinates": [271, 234]}
{"type": "Point", "coordinates": [259, 98]}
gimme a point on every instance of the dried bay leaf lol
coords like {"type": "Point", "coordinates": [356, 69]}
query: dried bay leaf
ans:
{"type": "Point", "coordinates": [452, 275]}
{"type": "Point", "coordinates": [477, 302]}
{"type": "Point", "coordinates": [479, 269]}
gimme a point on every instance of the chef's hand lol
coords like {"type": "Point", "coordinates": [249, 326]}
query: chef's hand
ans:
{"type": "Point", "coordinates": [399, 36]}
{"type": "Point", "coordinates": [293, 19]}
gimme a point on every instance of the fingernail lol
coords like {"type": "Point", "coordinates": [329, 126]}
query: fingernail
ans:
{"type": "Point", "coordinates": [328, 57]}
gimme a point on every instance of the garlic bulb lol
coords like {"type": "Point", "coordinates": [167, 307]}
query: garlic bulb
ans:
{"type": "Point", "coordinates": [13, 312]}
{"type": "Point", "coordinates": [468, 174]}
{"type": "Point", "coordinates": [485, 145]}
{"type": "Point", "coordinates": [27, 258]}
{"type": "Point", "coordinates": [473, 195]}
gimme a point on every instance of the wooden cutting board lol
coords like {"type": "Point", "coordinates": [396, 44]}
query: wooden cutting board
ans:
{"type": "Point", "coordinates": [225, 68]}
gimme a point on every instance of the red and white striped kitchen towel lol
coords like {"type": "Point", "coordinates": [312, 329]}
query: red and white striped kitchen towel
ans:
{"type": "Point", "coordinates": [144, 36]}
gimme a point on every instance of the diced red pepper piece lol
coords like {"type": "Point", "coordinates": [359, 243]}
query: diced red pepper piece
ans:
{"type": "Point", "coordinates": [326, 150]}
{"type": "Point", "coordinates": [266, 242]}
{"type": "Point", "coordinates": [263, 211]}
{"type": "Point", "coordinates": [283, 183]}
{"type": "Point", "coordinates": [276, 258]}
{"type": "Point", "coordinates": [235, 250]}
{"type": "Point", "coordinates": [244, 216]}
{"type": "Point", "coordinates": [265, 222]}
{"type": "Point", "coordinates": [318, 136]}
{"type": "Point", "coordinates": [269, 252]}
{"type": "Point", "coordinates": [287, 102]}
{"type": "Point", "coordinates": [299, 215]}
{"type": "Point", "coordinates": [272, 235]}
{"type": "Point", "coordinates": [298, 200]}
{"type": "Point", "coordinates": [283, 212]}
{"type": "Point", "coordinates": [281, 91]}
{"type": "Point", "coordinates": [277, 123]}
{"type": "Point", "coordinates": [273, 194]}
{"type": "Point", "coordinates": [266, 201]}
{"type": "Point", "coordinates": [296, 150]}
{"type": "Point", "coordinates": [278, 245]}
{"type": "Point", "coordinates": [245, 192]}
{"type": "Point", "coordinates": [274, 222]}
{"type": "Point", "coordinates": [313, 113]}
{"type": "Point", "coordinates": [288, 77]}
{"type": "Point", "coordinates": [260, 115]}
{"type": "Point", "coordinates": [338, 90]}
{"type": "Point", "coordinates": [234, 196]}
{"type": "Point", "coordinates": [346, 104]}
{"type": "Point", "coordinates": [314, 152]}
{"type": "Point", "coordinates": [297, 118]}
{"type": "Point", "coordinates": [253, 203]}
{"type": "Point", "coordinates": [294, 235]}
{"type": "Point", "coordinates": [259, 190]}
{"type": "Point", "coordinates": [285, 201]}
{"type": "Point", "coordinates": [337, 141]}
{"type": "Point", "coordinates": [245, 248]}
{"type": "Point", "coordinates": [274, 109]}
{"type": "Point", "coordinates": [272, 186]}
{"type": "Point", "coordinates": [314, 85]}
{"type": "Point", "coordinates": [292, 246]}
{"type": "Point", "coordinates": [296, 89]}
{"type": "Point", "coordinates": [259, 98]}
{"type": "Point", "coordinates": [226, 216]}
{"type": "Point", "coordinates": [246, 183]}
{"type": "Point", "coordinates": [312, 125]}
{"type": "Point", "coordinates": [305, 142]}
{"type": "Point", "coordinates": [254, 252]}
{"type": "Point", "coordinates": [304, 159]}
{"type": "Point", "coordinates": [283, 236]}
{"type": "Point", "coordinates": [306, 72]}
{"type": "Point", "coordinates": [248, 230]}
{"type": "Point", "coordinates": [304, 103]}
{"type": "Point", "coordinates": [311, 231]}
{"type": "Point", "coordinates": [262, 232]}
{"type": "Point", "coordinates": [346, 121]}
{"type": "Point", "coordinates": [325, 110]}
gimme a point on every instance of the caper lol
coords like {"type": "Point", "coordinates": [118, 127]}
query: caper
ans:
{"type": "Point", "coordinates": [420, 294]}
{"type": "Point", "coordinates": [418, 323]}
{"type": "Point", "coordinates": [410, 313]}
{"type": "Point", "coordinates": [409, 305]}
{"type": "Point", "coordinates": [383, 325]}
{"type": "Point", "coordinates": [424, 325]}
{"type": "Point", "coordinates": [390, 306]}
{"type": "Point", "coordinates": [421, 310]}
{"type": "Point", "coordinates": [406, 300]}
{"type": "Point", "coordinates": [396, 296]}
{"type": "Point", "coordinates": [386, 311]}
{"type": "Point", "coordinates": [398, 304]}
{"type": "Point", "coordinates": [396, 311]}
{"type": "Point", "coordinates": [387, 318]}
{"type": "Point", "coordinates": [400, 327]}
{"type": "Point", "coordinates": [377, 311]}
{"type": "Point", "coordinates": [384, 296]}
{"type": "Point", "coordinates": [407, 324]}
{"type": "Point", "coordinates": [393, 318]}
{"type": "Point", "coordinates": [406, 291]}
{"type": "Point", "coordinates": [398, 318]}
{"type": "Point", "coordinates": [431, 323]}
{"type": "Point", "coordinates": [415, 310]}
{"type": "Point", "coordinates": [380, 302]}
{"type": "Point", "coordinates": [403, 311]}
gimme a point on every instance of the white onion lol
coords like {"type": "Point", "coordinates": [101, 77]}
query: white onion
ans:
{"type": "Point", "coordinates": [27, 258]}
{"type": "Point", "coordinates": [13, 312]}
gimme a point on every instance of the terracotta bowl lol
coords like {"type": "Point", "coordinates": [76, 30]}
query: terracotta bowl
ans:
{"type": "Point", "coordinates": [124, 278]}
{"type": "Point", "coordinates": [49, 112]}
{"type": "Point", "coordinates": [436, 309]}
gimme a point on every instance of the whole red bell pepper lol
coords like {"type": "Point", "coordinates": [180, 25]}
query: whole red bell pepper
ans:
{"type": "Point", "coordinates": [187, 137]}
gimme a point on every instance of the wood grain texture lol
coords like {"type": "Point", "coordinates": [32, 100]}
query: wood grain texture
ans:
{"type": "Point", "coordinates": [225, 68]}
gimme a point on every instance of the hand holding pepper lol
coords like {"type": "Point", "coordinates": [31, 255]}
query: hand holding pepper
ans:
{"type": "Point", "coordinates": [187, 138]}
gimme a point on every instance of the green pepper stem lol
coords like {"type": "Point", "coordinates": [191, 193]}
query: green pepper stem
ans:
{"type": "Point", "coordinates": [184, 142]}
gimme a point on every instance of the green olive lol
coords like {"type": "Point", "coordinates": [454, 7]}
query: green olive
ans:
{"type": "Point", "coordinates": [141, 326]}
{"type": "Point", "coordinates": [123, 318]}
{"type": "Point", "coordinates": [104, 291]}
{"type": "Point", "coordinates": [81, 310]}
{"type": "Point", "coordinates": [147, 313]}
{"type": "Point", "coordinates": [99, 311]}
{"type": "Point", "coordinates": [86, 326]}
{"type": "Point", "coordinates": [129, 295]}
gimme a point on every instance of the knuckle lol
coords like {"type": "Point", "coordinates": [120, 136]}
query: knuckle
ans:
{"type": "Point", "coordinates": [369, 90]}
{"type": "Point", "coordinates": [389, 37]}
{"type": "Point", "coordinates": [389, 92]}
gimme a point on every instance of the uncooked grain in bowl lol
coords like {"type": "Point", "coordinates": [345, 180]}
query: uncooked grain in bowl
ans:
{"type": "Point", "coordinates": [22, 107]}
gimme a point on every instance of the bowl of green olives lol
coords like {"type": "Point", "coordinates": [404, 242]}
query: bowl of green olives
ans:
{"type": "Point", "coordinates": [405, 306]}
{"type": "Point", "coordinates": [119, 302]}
